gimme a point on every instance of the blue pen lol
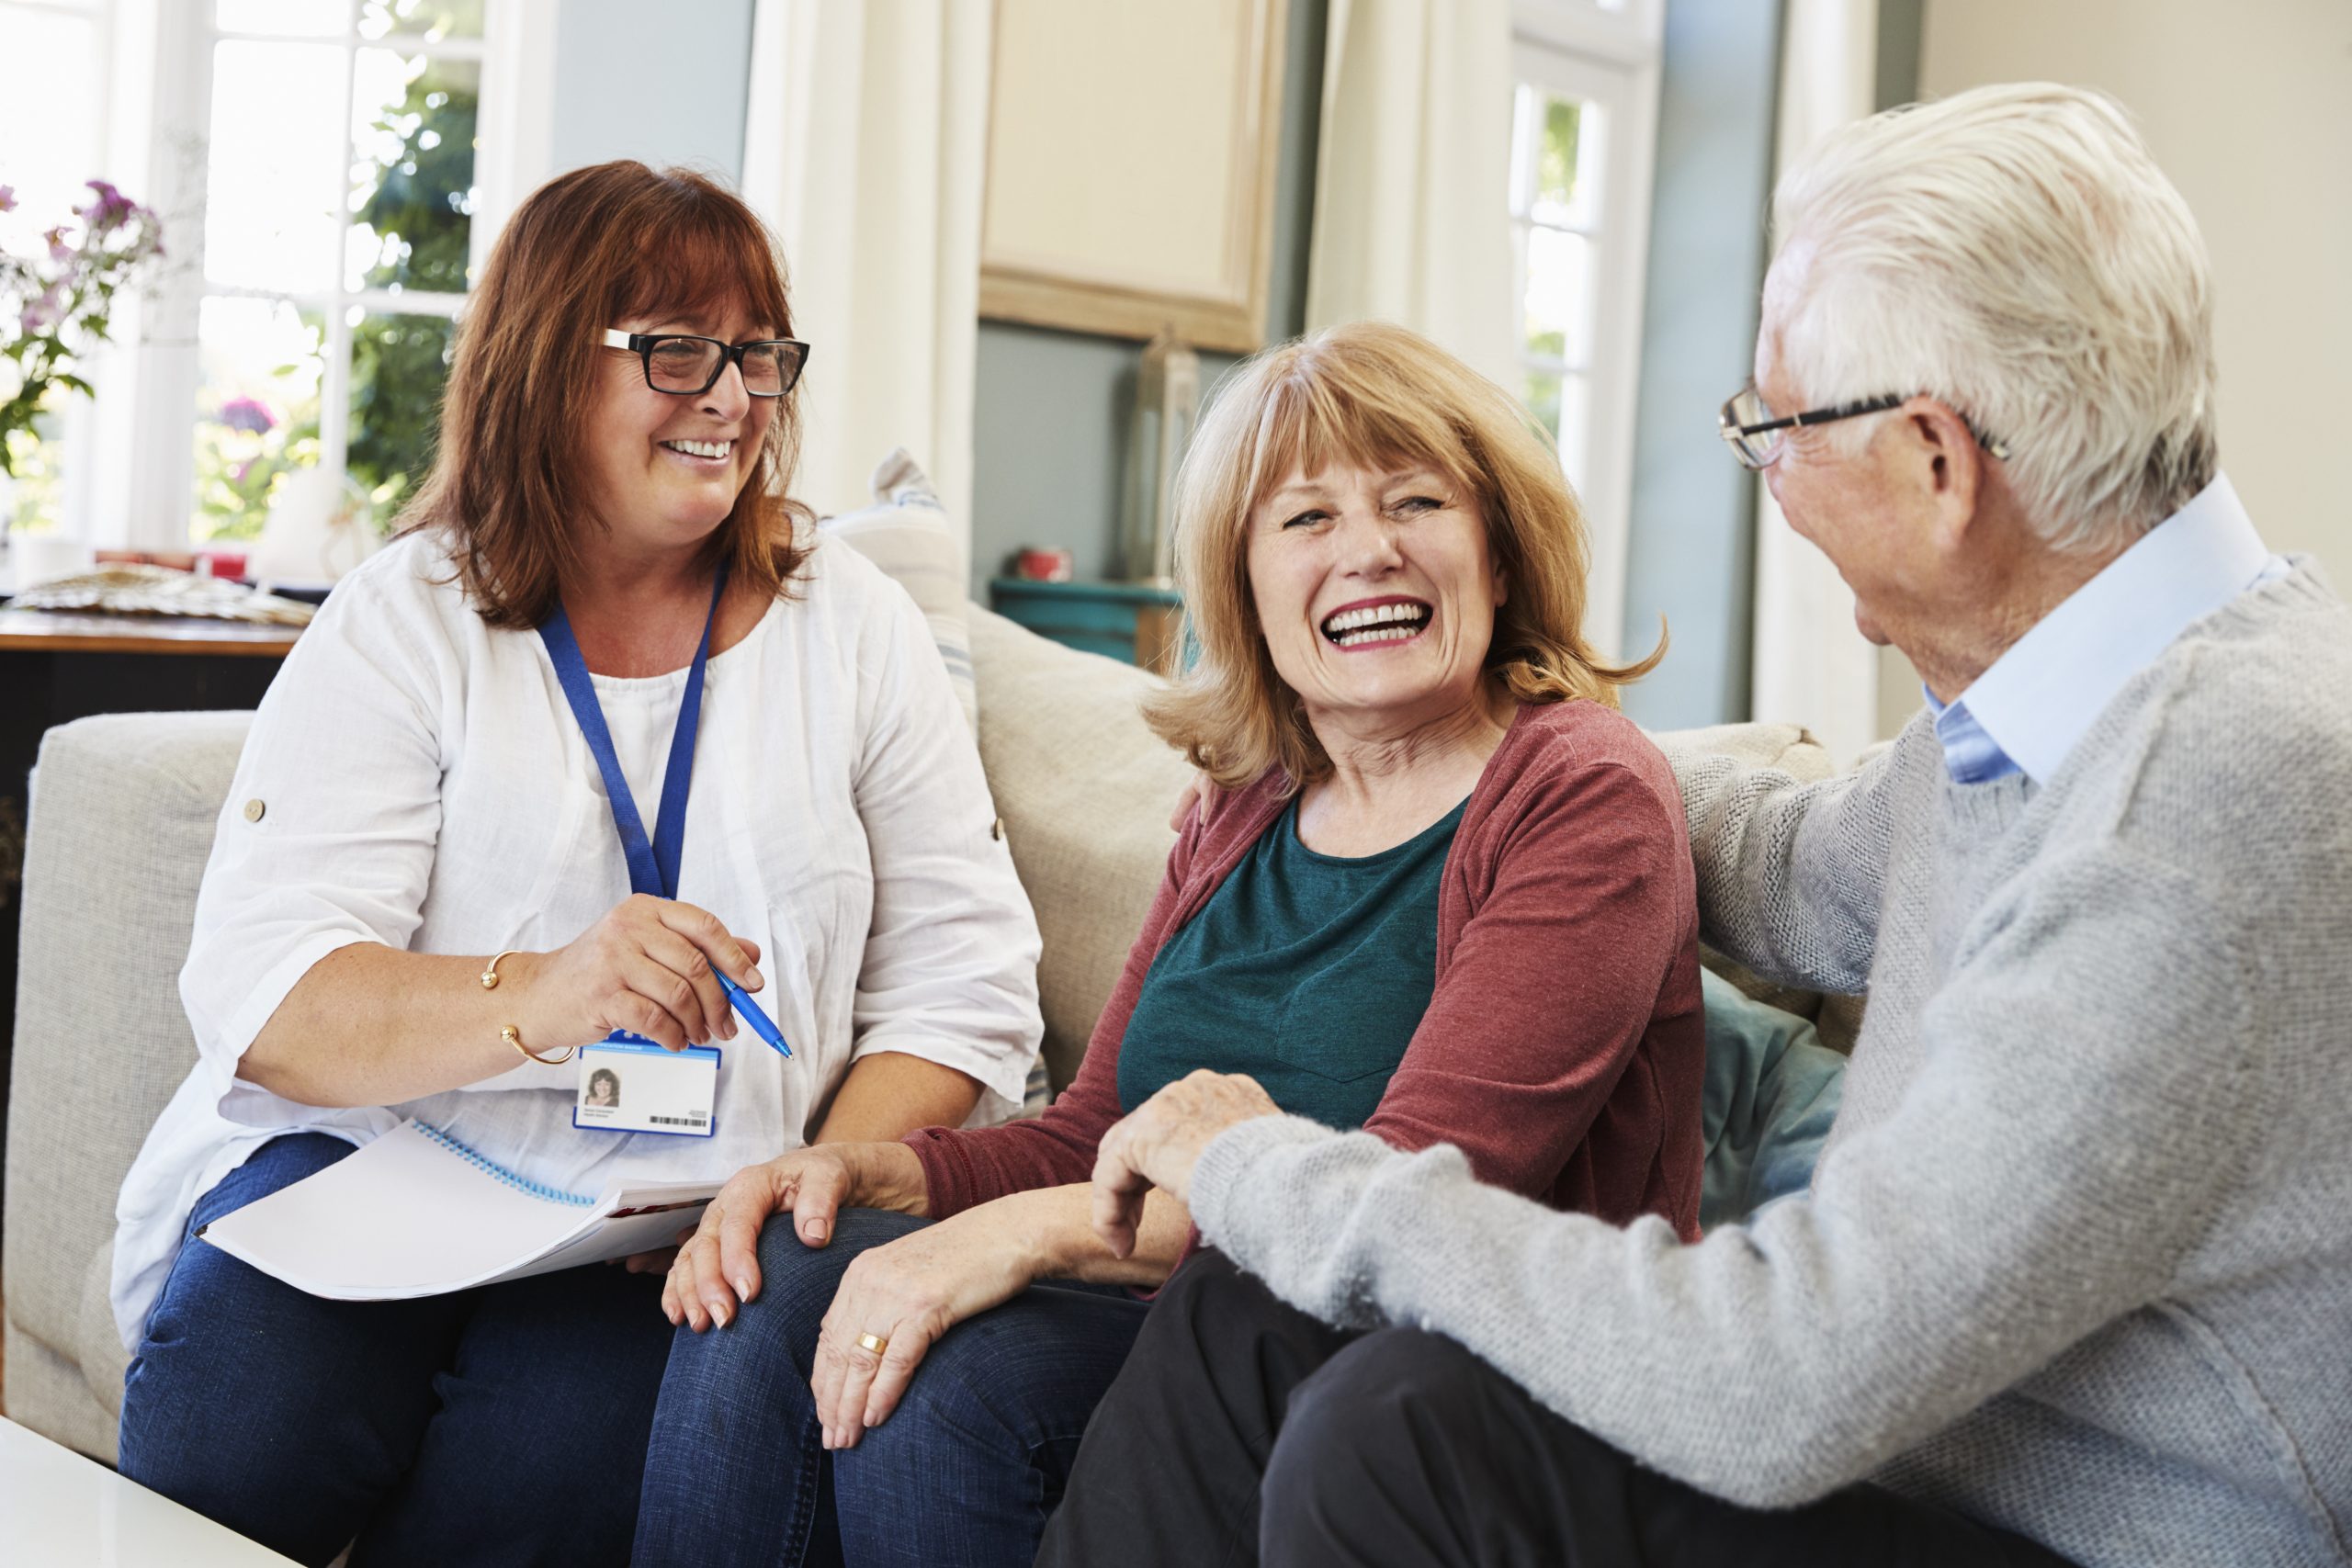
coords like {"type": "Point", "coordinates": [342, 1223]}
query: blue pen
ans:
{"type": "Point", "coordinates": [761, 1024]}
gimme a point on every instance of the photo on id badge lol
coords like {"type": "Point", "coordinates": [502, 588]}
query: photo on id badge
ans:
{"type": "Point", "coordinates": [630, 1084]}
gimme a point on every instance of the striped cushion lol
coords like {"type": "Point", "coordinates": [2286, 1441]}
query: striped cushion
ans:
{"type": "Point", "coordinates": [906, 533]}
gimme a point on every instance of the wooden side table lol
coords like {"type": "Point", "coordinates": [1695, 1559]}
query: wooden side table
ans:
{"type": "Point", "coordinates": [1133, 622]}
{"type": "Point", "coordinates": [73, 631]}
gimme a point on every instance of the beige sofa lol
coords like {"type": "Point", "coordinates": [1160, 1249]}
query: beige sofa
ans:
{"type": "Point", "coordinates": [122, 819]}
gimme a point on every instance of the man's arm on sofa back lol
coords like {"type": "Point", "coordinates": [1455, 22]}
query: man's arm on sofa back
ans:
{"type": "Point", "coordinates": [1791, 871]}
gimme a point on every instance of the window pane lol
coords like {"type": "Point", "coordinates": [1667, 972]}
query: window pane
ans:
{"type": "Point", "coordinates": [304, 18]}
{"type": "Point", "coordinates": [1559, 404]}
{"type": "Point", "coordinates": [49, 122]}
{"type": "Point", "coordinates": [429, 18]}
{"type": "Point", "coordinates": [1557, 154]}
{"type": "Point", "coordinates": [256, 410]}
{"type": "Point", "coordinates": [1558, 323]}
{"type": "Point", "coordinates": [1555, 161]}
{"type": "Point", "coordinates": [413, 172]}
{"type": "Point", "coordinates": [274, 184]}
{"type": "Point", "coordinates": [1575, 429]}
{"type": "Point", "coordinates": [398, 366]}
{"type": "Point", "coordinates": [1543, 398]}
{"type": "Point", "coordinates": [35, 499]}
{"type": "Point", "coordinates": [48, 146]}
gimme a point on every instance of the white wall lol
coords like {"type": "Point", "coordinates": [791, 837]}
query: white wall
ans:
{"type": "Point", "coordinates": [618, 68]}
{"type": "Point", "coordinates": [2247, 106]}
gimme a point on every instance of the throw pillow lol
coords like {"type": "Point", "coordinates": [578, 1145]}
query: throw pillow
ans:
{"type": "Point", "coordinates": [906, 534]}
{"type": "Point", "coordinates": [1773, 1090]}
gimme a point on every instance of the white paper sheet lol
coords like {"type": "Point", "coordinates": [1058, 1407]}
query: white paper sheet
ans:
{"type": "Point", "coordinates": [406, 1217]}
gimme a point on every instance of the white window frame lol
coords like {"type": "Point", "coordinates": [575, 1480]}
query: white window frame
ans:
{"type": "Point", "coordinates": [1609, 57]}
{"type": "Point", "coordinates": [130, 479]}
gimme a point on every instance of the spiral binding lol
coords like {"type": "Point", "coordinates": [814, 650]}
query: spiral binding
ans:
{"type": "Point", "coordinates": [488, 1167]}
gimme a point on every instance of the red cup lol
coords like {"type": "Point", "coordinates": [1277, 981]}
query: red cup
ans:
{"type": "Point", "coordinates": [1041, 564]}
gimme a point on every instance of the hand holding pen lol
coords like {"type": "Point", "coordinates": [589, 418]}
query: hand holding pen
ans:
{"type": "Point", "coordinates": [654, 967]}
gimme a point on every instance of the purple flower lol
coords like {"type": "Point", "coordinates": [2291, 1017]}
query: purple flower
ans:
{"type": "Point", "coordinates": [7, 199]}
{"type": "Point", "coordinates": [58, 249]}
{"type": "Point", "coordinates": [248, 414]}
{"type": "Point", "coordinates": [110, 209]}
{"type": "Point", "coordinates": [43, 313]}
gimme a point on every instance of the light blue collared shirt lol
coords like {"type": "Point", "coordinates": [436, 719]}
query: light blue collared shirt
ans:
{"type": "Point", "coordinates": [2026, 713]}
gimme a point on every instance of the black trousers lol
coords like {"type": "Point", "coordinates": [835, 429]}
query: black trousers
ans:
{"type": "Point", "coordinates": [1242, 1430]}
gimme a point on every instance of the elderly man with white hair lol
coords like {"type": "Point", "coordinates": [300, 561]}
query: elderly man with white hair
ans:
{"type": "Point", "coordinates": [2073, 1283]}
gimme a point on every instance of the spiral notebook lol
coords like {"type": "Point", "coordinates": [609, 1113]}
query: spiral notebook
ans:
{"type": "Point", "coordinates": [416, 1212]}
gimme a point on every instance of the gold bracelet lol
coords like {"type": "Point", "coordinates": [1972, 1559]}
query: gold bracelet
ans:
{"type": "Point", "coordinates": [512, 1037]}
{"type": "Point", "coordinates": [509, 1033]}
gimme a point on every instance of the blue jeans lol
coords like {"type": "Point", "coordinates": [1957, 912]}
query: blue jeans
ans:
{"type": "Point", "coordinates": [963, 1474]}
{"type": "Point", "coordinates": [500, 1425]}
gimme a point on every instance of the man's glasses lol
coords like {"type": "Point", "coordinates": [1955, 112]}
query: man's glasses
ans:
{"type": "Point", "coordinates": [687, 367]}
{"type": "Point", "coordinates": [1757, 439]}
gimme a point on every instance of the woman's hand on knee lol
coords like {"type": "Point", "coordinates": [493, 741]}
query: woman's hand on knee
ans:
{"type": "Point", "coordinates": [717, 1266]}
{"type": "Point", "coordinates": [896, 1301]}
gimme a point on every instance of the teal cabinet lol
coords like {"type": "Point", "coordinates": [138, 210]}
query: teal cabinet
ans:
{"type": "Point", "coordinates": [1132, 622]}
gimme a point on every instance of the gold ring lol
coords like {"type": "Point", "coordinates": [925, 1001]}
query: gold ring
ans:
{"type": "Point", "coordinates": [873, 1342]}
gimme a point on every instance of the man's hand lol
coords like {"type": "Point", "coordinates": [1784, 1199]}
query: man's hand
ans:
{"type": "Point", "coordinates": [1158, 1145]}
{"type": "Point", "coordinates": [1200, 794]}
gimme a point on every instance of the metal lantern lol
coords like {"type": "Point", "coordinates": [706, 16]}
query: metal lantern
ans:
{"type": "Point", "coordinates": [1167, 400]}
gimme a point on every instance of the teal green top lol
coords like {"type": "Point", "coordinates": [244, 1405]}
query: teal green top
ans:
{"type": "Point", "coordinates": [1308, 972]}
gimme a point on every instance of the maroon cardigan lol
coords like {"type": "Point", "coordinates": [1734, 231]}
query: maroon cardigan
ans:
{"type": "Point", "coordinates": [1564, 1050]}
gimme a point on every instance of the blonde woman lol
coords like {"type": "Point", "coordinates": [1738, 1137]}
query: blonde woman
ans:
{"type": "Point", "coordinates": [1443, 894]}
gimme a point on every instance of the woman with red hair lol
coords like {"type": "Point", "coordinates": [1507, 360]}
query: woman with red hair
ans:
{"type": "Point", "coordinates": [432, 887]}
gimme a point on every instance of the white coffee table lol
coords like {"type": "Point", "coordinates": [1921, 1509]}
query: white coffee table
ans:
{"type": "Point", "coordinates": [57, 1507]}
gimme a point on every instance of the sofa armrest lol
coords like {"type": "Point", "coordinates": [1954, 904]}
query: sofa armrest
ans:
{"type": "Point", "coordinates": [121, 822]}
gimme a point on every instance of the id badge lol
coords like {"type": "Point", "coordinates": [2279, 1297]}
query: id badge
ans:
{"type": "Point", "coordinates": [630, 1084]}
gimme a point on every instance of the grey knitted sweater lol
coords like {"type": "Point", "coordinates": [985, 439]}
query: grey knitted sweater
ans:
{"type": "Point", "coordinates": [2078, 1259]}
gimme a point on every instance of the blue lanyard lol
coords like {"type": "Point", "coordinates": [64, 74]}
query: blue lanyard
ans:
{"type": "Point", "coordinates": [652, 867]}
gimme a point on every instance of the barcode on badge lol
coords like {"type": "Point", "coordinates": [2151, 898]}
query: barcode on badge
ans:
{"type": "Point", "coordinates": [677, 1121]}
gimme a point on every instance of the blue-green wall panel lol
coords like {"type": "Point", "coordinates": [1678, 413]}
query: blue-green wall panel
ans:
{"type": "Point", "coordinates": [1693, 545]}
{"type": "Point", "coordinates": [1049, 421]}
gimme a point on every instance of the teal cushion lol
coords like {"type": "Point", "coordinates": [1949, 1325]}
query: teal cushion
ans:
{"type": "Point", "coordinates": [1773, 1090]}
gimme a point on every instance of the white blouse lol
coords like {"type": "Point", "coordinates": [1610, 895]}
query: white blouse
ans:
{"type": "Point", "coordinates": [414, 777]}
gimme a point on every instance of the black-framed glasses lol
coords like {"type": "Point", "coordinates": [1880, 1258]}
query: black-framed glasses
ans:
{"type": "Point", "coordinates": [1757, 439]}
{"type": "Point", "coordinates": [687, 367]}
